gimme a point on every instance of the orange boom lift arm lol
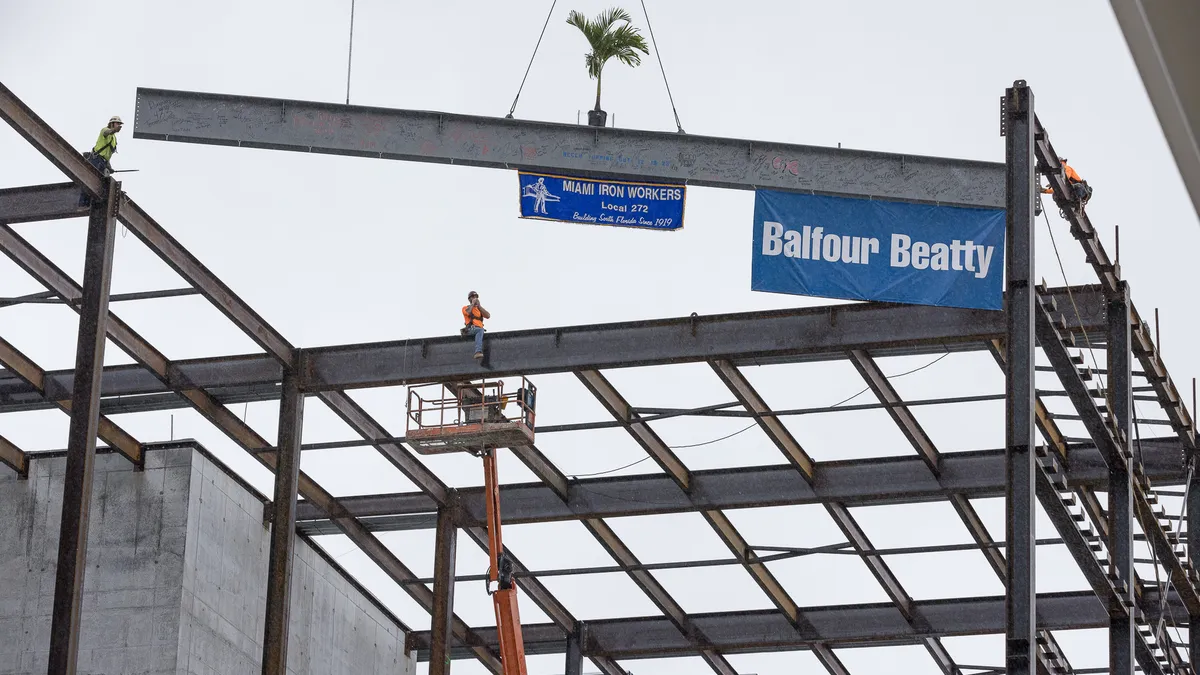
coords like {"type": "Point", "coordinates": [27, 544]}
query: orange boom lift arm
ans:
{"type": "Point", "coordinates": [479, 418]}
{"type": "Point", "coordinates": [504, 598]}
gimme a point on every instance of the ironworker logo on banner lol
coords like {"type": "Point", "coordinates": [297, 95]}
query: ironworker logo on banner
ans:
{"type": "Point", "coordinates": [859, 249]}
{"type": "Point", "coordinates": [655, 206]}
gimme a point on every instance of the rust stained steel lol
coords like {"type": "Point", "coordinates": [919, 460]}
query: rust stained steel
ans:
{"type": "Point", "coordinates": [13, 457]}
{"type": "Point", "coordinates": [791, 448]}
{"type": "Point", "coordinates": [40, 202]}
{"type": "Point", "coordinates": [771, 425]}
{"type": "Point", "coordinates": [1076, 543]}
{"type": "Point", "coordinates": [57, 150]}
{"type": "Point", "coordinates": [81, 437]}
{"type": "Point", "coordinates": [854, 625]}
{"type": "Point", "coordinates": [203, 399]}
{"type": "Point", "coordinates": [283, 530]}
{"type": "Point", "coordinates": [547, 147]}
{"type": "Point", "coordinates": [903, 417]}
{"type": "Point", "coordinates": [53, 278]}
{"type": "Point", "coordinates": [557, 483]}
{"type": "Point", "coordinates": [1100, 432]}
{"type": "Point", "coordinates": [974, 474]}
{"type": "Point", "coordinates": [641, 432]}
{"type": "Point", "coordinates": [109, 432]}
{"type": "Point", "coordinates": [762, 338]}
{"type": "Point", "coordinates": [229, 423]}
{"type": "Point", "coordinates": [433, 488]}
{"type": "Point", "coordinates": [616, 404]}
{"type": "Point", "coordinates": [444, 552]}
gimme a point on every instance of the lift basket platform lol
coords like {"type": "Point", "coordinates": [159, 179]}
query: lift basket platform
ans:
{"type": "Point", "coordinates": [469, 416]}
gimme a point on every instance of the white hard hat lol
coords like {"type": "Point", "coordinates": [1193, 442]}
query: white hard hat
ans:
{"type": "Point", "coordinates": [115, 118]}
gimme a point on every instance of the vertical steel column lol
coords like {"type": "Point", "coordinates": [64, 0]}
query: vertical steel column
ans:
{"type": "Point", "coordinates": [574, 655]}
{"type": "Point", "coordinates": [1120, 477]}
{"type": "Point", "coordinates": [445, 548]}
{"type": "Point", "coordinates": [1193, 542]}
{"type": "Point", "coordinates": [81, 442]}
{"type": "Point", "coordinates": [283, 527]}
{"type": "Point", "coordinates": [1019, 599]}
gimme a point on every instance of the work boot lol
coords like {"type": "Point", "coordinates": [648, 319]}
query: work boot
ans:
{"type": "Point", "coordinates": [479, 355]}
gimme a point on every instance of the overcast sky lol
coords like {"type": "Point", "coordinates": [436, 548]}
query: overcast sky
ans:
{"type": "Point", "coordinates": [334, 250]}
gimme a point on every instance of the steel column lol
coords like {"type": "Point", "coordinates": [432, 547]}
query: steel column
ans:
{"type": "Point", "coordinates": [445, 549]}
{"type": "Point", "coordinates": [1120, 481]}
{"type": "Point", "coordinates": [1019, 599]}
{"type": "Point", "coordinates": [574, 665]}
{"type": "Point", "coordinates": [1193, 544]}
{"type": "Point", "coordinates": [283, 528]}
{"type": "Point", "coordinates": [81, 440]}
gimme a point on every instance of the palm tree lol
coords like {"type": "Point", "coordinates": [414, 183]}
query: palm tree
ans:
{"type": "Point", "coordinates": [608, 40]}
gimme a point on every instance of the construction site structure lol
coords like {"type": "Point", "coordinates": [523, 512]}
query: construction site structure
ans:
{"type": "Point", "coordinates": [1066, 475]}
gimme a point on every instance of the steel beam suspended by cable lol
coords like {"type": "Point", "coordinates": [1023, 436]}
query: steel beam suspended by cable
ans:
{"type": "Point", "coordinates": [305, 126]}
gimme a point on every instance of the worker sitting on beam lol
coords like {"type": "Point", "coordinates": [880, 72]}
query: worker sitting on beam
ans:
{"type": "Point", "coordinates": [473, 316]}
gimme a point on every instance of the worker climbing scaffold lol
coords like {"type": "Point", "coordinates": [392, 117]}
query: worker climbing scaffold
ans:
{"type": "Point", "coordinates": [480, 417]}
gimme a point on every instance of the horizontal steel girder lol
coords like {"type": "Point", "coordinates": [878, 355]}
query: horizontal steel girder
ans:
{"type": "Point", "coordinates": [421, 136]}
{"type": "Point", "coordinates": [40, 202]}
{"type": "Point", "coordinates": [768, 630]}
{"type": "Point", "coordinates": [751, 338]}
{"type": "Point", "coordinates": [859, 482]}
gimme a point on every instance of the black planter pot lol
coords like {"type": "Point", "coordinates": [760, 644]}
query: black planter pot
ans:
{"type": "Point", "coordinates": [597, 118]}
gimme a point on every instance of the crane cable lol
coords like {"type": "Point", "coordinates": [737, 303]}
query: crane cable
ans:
{"type": "Point", "coordinates": [535, 51]}
{"type": "Point", "coordinates": [658, 54]}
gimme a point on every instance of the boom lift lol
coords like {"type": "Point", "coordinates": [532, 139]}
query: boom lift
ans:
{"type": "Point", "coordinates": [480, 417]}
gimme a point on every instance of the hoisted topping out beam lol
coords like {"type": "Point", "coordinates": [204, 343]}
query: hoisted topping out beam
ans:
{"type": "Point", "coordinates": [421, 136]}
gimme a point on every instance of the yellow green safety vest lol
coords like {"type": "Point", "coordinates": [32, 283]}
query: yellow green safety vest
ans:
{"type": "Point", "coordinates": [105, 145]}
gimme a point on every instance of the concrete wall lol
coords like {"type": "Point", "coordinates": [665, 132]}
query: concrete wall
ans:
{"type": "Point", "coordinates": [176, 578]}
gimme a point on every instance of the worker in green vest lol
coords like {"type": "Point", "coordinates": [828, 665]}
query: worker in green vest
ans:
{"type": "Point", "coordinates": [102, 152]}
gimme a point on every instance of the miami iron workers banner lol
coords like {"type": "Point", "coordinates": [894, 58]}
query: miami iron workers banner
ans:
{"type": "Point", "coordinates": [654, 206]}
{"type": "Point", "coordinates": [859, 249]}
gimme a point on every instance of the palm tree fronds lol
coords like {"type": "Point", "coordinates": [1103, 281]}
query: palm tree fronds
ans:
{"type": "Point", "coordinates": [609, 40]}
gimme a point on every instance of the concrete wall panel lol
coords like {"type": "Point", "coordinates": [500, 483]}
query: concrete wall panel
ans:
{"type": "Point", "coordinates": [176, 579]}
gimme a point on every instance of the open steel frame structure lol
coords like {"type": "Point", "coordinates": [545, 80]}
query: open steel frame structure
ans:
{"type": "Point", "coordinates": [1066, 476]}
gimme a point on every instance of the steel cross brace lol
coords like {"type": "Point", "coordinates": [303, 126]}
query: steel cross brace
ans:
{"type": "Point", "coordinates": [70, 162]}
{"type": "Point", "coordinates": [13, 360]}
{"type": "Point", "coordinates": [13, 457]}
{"type": "Point", "coordinates": [363, 424]}
{"type": "Point", "coordinates": [1053, 346]}
{"type": "Point", "coordinates": [1056, 352]}
{"type": "Point", "coordinates": [56, 280]}
{"type": "Point", "coordinates": [841, 515]}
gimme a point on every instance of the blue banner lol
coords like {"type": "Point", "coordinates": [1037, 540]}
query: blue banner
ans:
{"type": "Point", "coordinates": [655, 206]}
{"type": "Point", "coordinates": [858, 249]}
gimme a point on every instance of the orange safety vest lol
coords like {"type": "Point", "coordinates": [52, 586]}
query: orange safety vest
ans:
{"type": "Point", "coordinates": [472, 316]}
{"type": "Point", "coordinates": [1071, 175]}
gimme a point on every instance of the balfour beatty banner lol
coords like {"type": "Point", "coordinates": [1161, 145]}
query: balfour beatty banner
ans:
{"type": "Point", "coordinates": [601, 202]}
{"type": "Point", "coordinates": [858, 249]}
